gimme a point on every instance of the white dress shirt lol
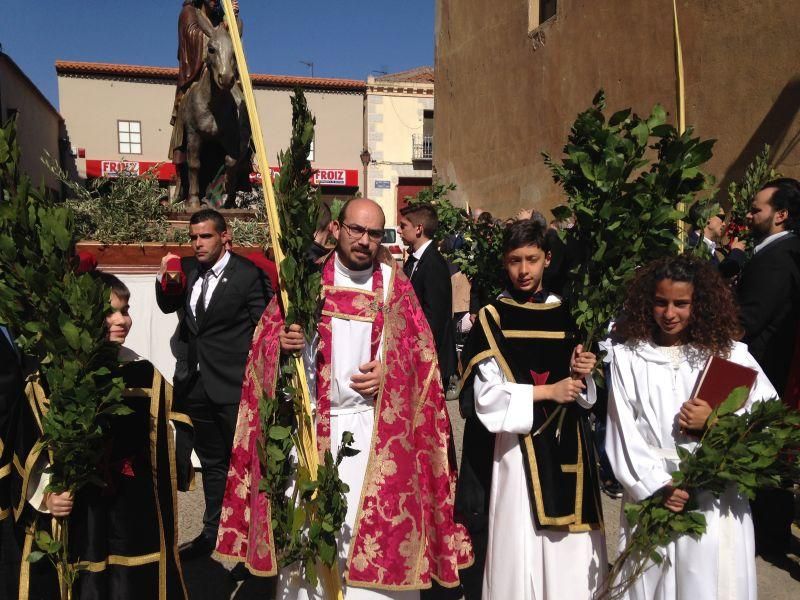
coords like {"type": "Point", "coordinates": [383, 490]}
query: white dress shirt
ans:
{"type": "Point", "coordinates": [417, 254]}
{"type": "Point", "coordinates": [769, 239]}
{"type": "Point", "coordinates": [213, 280]}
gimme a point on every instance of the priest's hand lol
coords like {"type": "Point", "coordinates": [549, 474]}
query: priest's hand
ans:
{"type": "Point", "coordinates": [582, 363]}
{"type": "Point", "coordinates": [292, 339]}
{"type": "Point", "coordinates": [59, 505]}
{"type": "Point", "coordinates": [563, 392]}
{"type": "Point", "coordinates": [675, 499]}
{"type": "Point", "coordinates": [694, 414]}
{"type": "Point", "coordinates": [368, 381]}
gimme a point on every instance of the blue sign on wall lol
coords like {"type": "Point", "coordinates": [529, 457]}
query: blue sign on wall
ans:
{"type": "Point", "coordinates": [383, 184]}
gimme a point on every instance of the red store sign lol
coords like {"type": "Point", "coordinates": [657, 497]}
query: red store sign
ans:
{"type": "Point", "coordinates": [166, 172]}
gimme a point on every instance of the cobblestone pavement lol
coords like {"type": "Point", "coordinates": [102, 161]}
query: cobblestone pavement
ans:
{"type": "Point", "coordinates": [208, 579]}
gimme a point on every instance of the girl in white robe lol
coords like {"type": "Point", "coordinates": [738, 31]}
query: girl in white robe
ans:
{"type": "Point", "coordinates": [678, 313]}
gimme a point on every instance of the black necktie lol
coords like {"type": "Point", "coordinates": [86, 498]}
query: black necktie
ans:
{"type": "Point", "coordinates": [408, 268]}
{"type": "Point", "coordinates": [200, 309]}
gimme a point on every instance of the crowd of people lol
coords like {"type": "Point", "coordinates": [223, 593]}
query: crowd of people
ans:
{"type": "Point", "coordinates": [521, 518]}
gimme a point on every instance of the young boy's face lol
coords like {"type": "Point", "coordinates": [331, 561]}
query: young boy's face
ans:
{"type": "Point", "coordinates": [525, 266]}
{"type": "Point", "coordinates": [119, 322]}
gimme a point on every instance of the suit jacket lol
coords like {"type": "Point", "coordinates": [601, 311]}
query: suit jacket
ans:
{"type": "Point", "coordinates": [729, 263]}
{"type": "Point", "coordinates": [220, 343]}
{"type": "Point", "coordinates": [769, 301]}
{"type": "Point", "coordinates": [434, 290]}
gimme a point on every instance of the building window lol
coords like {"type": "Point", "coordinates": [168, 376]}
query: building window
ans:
{"type": "Point", "coordinates": [540, 11]}
{"type": "Point", "coordinates": [129, 135]}
{"type": "Point", "coordinates": [311, 152]}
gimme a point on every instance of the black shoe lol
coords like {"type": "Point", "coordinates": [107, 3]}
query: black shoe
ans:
{"type": "Point", "coordinates": [199, 547]}
{"type": "Point", "coordinates": [239, 572]}
{"type": "Point", "coordinates": [612, 489]}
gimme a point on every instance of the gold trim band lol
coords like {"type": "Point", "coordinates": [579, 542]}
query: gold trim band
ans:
{"type": "Point", "coordinates": [535, 335]}
{"type": "Point", "coordinates": [117, 560]}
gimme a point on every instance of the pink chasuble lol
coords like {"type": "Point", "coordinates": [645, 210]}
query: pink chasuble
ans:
{"type": "Point", "coordinates": [404, 535]}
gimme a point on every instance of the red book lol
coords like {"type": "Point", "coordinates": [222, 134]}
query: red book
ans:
{"type": "Point", "coordinates": [720, 378]}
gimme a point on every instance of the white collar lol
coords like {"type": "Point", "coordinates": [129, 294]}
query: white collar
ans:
{"type": "Point", "coordinates": [221, 263]}
{"type": "Point", "coordinates": [421, 250]}
{"type": "Point", "coordinates": [769, 239]}
{"type": "Point", "coordinates": [712, 245]}
{"type": "Point", "coordinates": [353, 275]}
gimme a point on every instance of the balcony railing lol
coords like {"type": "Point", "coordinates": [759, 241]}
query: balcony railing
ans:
{"type": "Point", "coordinates": [422, 147]}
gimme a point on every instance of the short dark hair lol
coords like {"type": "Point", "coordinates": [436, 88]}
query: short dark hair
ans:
{"type": "Point", "coordinates": [697, 215]}
{"type": "Point", "coordinates": [209, 214]}
{"type": "Point", "coordinates": [324, 217]}
{"type": "Point", "coordinates": [485, 217]}
{"type": "Point", "coordinates": [118, 288]}
{"type": "Point", "coordinates": [525, 233]}
{"type": "Point", "coordinates": [422, 214]}
{"type": "Point", "coordinates": [786, 197]}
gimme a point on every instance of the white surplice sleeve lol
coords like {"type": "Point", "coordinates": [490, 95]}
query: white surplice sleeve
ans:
{"type": "Point", "coordinates": [636, 464]}
{"type": "Point", "coordinates": [502, 406]}
{"type": "Point", "coordinates": [38, 482]}
{"type": "Point", "coordinates": [508, 407]}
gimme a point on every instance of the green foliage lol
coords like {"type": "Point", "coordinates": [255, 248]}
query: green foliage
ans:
{"type": "Point", "coordinates": [304, 524]}
{"type": "Point", "coordinates": [478, 247]}
{"type": "Point", "coordinates": [59, 317]}
{"type": "Point", "coordinates": [298, 209]}
{"type": "Point", "coordinates": [126, 208]}
{"type": "Point", "coordinates": [741, 194]}
{"type": "Point", "coordinates": [133, 209]}
{"type": "Point", "coordinates": [626, 204]}
{"type": "Point", "coordinates": [336, 208]}
{"type": "Point", "coordinates": [756, 449]}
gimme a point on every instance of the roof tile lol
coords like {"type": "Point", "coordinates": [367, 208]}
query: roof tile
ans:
{"type": "Point", "coordinates": [64, 67]}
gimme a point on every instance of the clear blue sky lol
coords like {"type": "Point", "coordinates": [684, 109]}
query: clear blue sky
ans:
{"type": "Point", "coordinates": [343, 38]}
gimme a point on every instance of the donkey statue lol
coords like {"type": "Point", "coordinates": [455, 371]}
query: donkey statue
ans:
{"type": "Point", "coordinates": [213, 111]}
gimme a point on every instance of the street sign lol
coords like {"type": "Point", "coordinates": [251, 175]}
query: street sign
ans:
{"type": "Point", "coordinates": [383, 184]}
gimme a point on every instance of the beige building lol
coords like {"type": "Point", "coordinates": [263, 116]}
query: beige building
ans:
{"type": "Point", "coordinates": [39, 126]}
{"type": "Point", "coordinates": [118, 117]}
{"type": "Point", "coordinates": [399, 131]}
{"type": "Point", "coordinates": [513, 75]}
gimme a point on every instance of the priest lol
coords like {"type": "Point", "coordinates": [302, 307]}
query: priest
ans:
{"type": "Point", "coordinates": [375, 374]}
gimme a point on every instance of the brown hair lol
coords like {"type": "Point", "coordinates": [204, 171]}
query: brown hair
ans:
{"type": "Point", "coordinates": [422, 214]}
{"type": "Point", "coordinates": [118, 288]}
{"type": "Point", "coordinates": [714, 322]}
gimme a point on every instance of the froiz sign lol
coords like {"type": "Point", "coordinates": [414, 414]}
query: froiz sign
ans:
{"type": "Point", "coordinates": [320, 177]}
{"type": "Point", "coordinates": [329, 177]}
{"type": "Point", "coordinates": [113, 168]}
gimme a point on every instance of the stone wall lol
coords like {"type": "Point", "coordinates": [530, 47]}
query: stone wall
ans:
{"type": "Point", "coordinates": [504, 94]}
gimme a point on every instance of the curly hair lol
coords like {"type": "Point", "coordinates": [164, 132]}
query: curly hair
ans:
{"type": "Point", "coordinates": [714, 321]}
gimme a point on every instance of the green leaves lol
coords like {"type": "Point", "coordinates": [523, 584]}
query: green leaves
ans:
{"type": "Point", "coordinates": [741, 194]}
{"type": "Point", "coordinates": [305, 522]}
{"type": "Point", "coordinates": [757, 449]}
{"type": "Point", "coordinates": [478, 251]}
{"type": "Point", "coordinates": [625, 201]}
{"type": "Point", "coordinates": [59, 319]}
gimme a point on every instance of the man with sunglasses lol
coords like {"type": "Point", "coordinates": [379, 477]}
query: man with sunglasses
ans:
{"type": "Point", "coordinates": [372, 369]}
{"type": "Point", "coordinates": [709, 230]}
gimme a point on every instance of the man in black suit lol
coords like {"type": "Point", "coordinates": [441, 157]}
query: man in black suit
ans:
{"type": "Point", "coordinates": [709, 229]}
{"type": "Point", "coordinates": [769, 301]}
{"type": "Point", "coordinates": [430, 276]}
{"type": "Point", "coordinates": [221, 304]}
